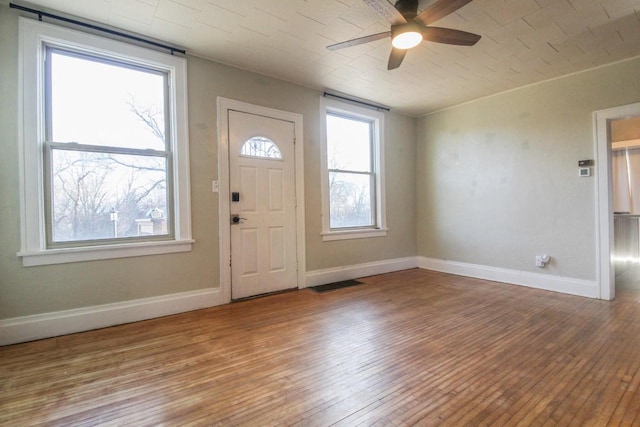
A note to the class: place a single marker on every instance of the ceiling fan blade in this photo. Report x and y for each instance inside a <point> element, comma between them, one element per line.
<point>387,11</point>
<point>439,10</point>
<point>396,57</point>
<point>359,40</point>
<point>449,36</point>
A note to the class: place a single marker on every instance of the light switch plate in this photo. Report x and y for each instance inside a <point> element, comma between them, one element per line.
<point>584,171</point>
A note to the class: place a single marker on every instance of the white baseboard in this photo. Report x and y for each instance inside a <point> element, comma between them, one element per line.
<point>567,285</point>
<point>338,274</point>
<point>38,326</point>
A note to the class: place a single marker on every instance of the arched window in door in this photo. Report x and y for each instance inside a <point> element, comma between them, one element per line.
<point>262,147</point>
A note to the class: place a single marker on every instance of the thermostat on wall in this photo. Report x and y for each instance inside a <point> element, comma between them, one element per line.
<point>584,171</point>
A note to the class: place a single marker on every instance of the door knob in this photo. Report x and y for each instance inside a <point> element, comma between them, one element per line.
<point>235,219</point>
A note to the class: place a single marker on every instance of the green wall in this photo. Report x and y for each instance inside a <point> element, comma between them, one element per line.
<point>497,178</point>
<point>33,290</point>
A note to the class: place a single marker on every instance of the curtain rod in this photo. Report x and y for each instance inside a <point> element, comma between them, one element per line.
<point>42,13</point>
<point>344,98</point>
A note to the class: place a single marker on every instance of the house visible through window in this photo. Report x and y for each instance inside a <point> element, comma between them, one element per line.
<point>104,148</point>
<point>354,195</point>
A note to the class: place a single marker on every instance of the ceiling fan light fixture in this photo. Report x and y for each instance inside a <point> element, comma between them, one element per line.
<point>406,36</point>
<point>406,40</point>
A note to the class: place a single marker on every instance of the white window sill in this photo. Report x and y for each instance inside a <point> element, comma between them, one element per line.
<point>353,234</point>
<point>93,253</point>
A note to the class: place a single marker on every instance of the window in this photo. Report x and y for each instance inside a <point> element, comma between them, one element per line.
<point>261,147</point>
<point>353,185</point>
<point>106,149</point>
<point>105,167</point>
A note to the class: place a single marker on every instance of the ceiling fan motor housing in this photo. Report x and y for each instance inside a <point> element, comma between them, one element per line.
<point>408,8</point>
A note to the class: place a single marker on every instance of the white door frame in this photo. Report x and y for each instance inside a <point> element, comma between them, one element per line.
<point>224,223</point>
<point>604,195</point>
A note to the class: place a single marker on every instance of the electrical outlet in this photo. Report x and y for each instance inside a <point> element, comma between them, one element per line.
<point>215,186</point>
<point>541,260</point>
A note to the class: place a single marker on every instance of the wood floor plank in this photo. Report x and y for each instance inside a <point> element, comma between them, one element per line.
<point>475,381</point>
<point>409,348</point>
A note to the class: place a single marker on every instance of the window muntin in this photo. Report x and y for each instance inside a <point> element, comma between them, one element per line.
<point>352,194</point>
<point>261,147</point>
<point>106,150</point>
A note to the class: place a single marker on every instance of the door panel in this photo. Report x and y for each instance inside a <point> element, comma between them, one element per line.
<point>249,187</point>
<point>248,251</point>
<point>277,249</point>
<point>276,190</point>
<point>263,242</point>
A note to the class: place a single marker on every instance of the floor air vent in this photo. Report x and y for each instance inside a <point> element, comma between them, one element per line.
<point>337,285</point>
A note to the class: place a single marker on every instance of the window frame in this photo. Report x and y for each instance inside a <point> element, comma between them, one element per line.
<point>35,248</point>
<point>376,119</point>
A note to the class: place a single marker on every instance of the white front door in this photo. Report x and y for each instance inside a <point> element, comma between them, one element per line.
<point>263,203</point>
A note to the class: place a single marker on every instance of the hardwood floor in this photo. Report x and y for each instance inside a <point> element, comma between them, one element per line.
<point>414,347</point>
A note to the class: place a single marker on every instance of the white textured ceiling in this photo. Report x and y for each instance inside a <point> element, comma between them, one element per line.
<point>523,41</point>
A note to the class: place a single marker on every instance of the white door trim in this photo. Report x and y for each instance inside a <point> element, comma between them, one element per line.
<point>224,228</point>
<point>604,195</point>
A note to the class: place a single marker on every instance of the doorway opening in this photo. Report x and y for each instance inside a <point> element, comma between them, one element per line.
<point>617,198</point>
<point>625,178</point>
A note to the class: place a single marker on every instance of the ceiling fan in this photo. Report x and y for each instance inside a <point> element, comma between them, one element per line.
<point>408,28</point>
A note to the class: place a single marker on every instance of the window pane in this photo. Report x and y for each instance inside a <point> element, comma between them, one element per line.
<point>105,196</point>
<point>106,104</point>
<point>350,200</point>
<point>262,147</point>
<point>348,144</point>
